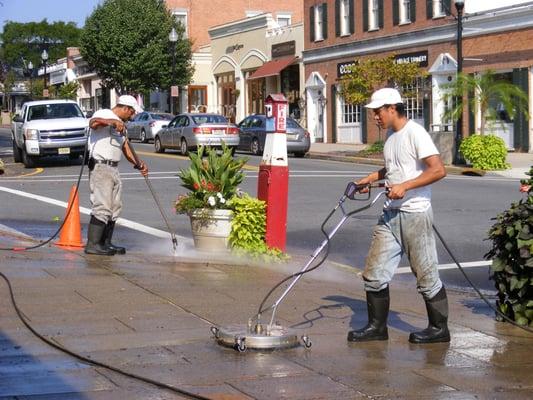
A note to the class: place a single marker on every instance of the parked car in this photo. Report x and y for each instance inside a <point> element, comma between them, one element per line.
<point>188,131</point>
<point>253,136</point>
<point>145,125</point>
<point>48,127</point>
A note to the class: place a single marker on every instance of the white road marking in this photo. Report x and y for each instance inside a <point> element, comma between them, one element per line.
<point>121,221</point>
<point>472,264</point>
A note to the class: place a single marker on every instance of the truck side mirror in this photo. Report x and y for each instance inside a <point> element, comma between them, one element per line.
<point>17,118</point>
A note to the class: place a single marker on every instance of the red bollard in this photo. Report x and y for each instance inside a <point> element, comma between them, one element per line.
<point>273,183</point>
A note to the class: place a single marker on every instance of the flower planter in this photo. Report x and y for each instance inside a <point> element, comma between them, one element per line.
<point>211,229</point>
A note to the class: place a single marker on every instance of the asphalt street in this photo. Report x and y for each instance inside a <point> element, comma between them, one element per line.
<point>463,206</point>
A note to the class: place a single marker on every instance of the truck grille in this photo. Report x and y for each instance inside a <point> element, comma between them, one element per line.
<point>62,134</point>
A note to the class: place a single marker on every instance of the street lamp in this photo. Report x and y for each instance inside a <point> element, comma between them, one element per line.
<point>30,72</point>
<point>459,6</point>
<point>44,58</point>
<point>173,38</point>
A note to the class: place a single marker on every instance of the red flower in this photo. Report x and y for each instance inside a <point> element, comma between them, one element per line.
<point>210,187</point>
<point>196,186</point>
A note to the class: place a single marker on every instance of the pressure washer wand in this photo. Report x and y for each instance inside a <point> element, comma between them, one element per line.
<point>154,195</point>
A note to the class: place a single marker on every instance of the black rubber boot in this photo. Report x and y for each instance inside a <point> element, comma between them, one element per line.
<point>108,235</point>
<point>437,330</point>
<point>378,310</point>
<point>94,238</point>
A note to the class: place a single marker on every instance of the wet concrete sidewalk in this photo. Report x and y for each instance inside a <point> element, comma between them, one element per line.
<point>151,315</point>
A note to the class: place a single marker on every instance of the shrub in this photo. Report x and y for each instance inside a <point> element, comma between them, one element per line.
<point>374,148</point>
<point>486,152</point>
<point>512,261</point>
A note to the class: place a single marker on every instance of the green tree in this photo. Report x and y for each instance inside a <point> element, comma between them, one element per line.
<point>126,43</point>
<point>68,91</point>
<point>484,90</point>
<point>368,75</point>
<point>24,42</point>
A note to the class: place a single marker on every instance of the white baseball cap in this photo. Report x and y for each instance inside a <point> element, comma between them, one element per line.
<point>127,100</point>
<point>385,96</point>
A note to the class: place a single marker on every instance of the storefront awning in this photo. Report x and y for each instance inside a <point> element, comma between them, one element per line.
<point>272,68</point>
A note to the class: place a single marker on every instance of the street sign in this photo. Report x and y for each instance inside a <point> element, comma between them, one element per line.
<point>174,91</point>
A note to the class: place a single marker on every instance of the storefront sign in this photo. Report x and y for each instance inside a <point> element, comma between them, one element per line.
<point>284,49</point>
<point>344,68</point>
<point>419,57</point>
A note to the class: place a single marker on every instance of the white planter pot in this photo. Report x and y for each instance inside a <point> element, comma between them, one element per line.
<point>211,233</point>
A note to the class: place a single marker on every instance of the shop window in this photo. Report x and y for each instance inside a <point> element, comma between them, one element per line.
<point>256,96</point>
<point>181,18</point>
<point>319,22</point>
<point>197,99</point>
<point>344,17</point>
<point>414,98</point>
<point>349,113</point>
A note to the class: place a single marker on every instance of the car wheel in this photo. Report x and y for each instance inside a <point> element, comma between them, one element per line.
<point>143,136</point>
<point>300,154</point>
<point>27,160</point>
<point>184,147</point>
<point>158,146</point>
<point>17,156</point>
<point>255,148</point>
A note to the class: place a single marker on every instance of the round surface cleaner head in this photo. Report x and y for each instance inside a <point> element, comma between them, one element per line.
<point>258,337</point>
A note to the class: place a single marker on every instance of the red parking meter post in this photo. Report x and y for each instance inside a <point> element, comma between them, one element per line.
<point>273,183</point>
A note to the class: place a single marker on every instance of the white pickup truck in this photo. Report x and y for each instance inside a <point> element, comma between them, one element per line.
<point>46,128</point>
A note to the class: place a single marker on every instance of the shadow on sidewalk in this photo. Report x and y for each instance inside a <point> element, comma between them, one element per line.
<point>358,318</point>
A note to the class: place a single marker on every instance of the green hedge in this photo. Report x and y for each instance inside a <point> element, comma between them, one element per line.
<point>486,152</point>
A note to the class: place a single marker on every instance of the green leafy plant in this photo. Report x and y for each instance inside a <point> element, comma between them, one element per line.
<point>486,152</point>
<point>511,255</point>
<point>212,180</point>
<point>248,228</point>
<point>374,148</point>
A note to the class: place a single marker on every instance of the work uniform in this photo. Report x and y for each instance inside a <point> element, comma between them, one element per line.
<point>105,147</point>
<point>406,224</point>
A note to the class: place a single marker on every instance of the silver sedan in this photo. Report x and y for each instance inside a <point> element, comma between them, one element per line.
<point>145,125</point>
<point>188,131</point>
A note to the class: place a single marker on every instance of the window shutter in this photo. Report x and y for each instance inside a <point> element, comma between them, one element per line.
<point>447,5</point>
<point>337,18</point>
<point>429,9</point>
<point>312,23</point>
<point>325,21</point>
<point>380,14</point>
<point>412,5</point>
<point>395,12</point>
<point>365,15</point>
<point>352,17</point>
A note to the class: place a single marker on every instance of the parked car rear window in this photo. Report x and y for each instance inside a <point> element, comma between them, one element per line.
<point>53,111</point>
<point>162,117</point>
<point>292,123</point>
<point>209,119</point>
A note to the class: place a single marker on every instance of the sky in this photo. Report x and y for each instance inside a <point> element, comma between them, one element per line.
<point>53,10</point>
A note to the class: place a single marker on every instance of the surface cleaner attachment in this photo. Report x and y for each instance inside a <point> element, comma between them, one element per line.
<point>272,336</point>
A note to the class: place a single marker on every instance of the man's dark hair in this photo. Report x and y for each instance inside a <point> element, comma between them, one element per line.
<point>400,108</point>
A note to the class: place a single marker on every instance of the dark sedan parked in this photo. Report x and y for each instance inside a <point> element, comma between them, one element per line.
<point>253,135</point>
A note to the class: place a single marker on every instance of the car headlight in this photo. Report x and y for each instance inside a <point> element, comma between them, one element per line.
<point>31,134</point>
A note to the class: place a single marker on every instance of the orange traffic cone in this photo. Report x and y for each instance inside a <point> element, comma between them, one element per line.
<point>71,232</point>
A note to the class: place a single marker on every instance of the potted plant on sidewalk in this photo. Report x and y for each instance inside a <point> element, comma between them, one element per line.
<point>212,180</point>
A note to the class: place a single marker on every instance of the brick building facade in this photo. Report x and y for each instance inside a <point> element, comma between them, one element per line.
<point>338,32</point>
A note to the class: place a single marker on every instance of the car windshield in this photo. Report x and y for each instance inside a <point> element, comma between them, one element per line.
<point>162,117</point>
<point>209,119</point>
<point>54,111</point>
<point>292,123</point>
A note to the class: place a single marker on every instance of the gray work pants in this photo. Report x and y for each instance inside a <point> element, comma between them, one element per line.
<point>106,192</point>
<point>396,233</point>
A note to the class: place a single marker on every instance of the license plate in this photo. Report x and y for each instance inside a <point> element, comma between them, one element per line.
<point>292,137</point>
<point>63,150</point>
<point>218,131</point>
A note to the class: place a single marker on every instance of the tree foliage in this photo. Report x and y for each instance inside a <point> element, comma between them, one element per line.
<point>484,90</point>
<point>126,43</point>
<point>371,74</point>
<point>24,42</point>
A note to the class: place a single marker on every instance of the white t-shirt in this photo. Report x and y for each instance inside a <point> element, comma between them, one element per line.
<point>403,152</point>
<point>106,143</point>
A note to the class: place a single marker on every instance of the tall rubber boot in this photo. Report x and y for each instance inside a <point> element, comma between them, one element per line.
<point>108,235</point>
<point>94,238</point>
<point>437,330</point>
<point>377,304</point>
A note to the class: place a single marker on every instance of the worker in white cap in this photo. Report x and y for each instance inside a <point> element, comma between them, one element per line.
<point>412,164</point>
<point>107,143</point>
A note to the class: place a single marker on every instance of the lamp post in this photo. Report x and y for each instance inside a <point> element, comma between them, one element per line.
<point>30,72</point>
<point>173,38</point>
<point>44,58</point>
<point>459,6</point>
